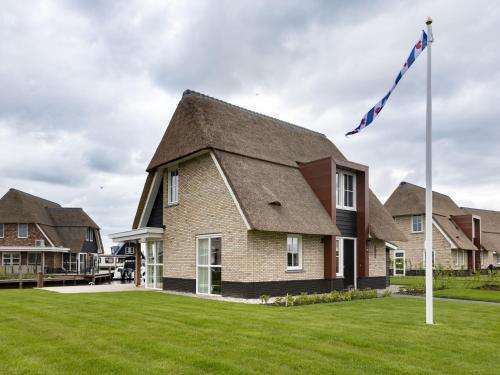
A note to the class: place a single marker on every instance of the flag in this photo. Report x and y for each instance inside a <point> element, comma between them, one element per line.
<point>372,113</point>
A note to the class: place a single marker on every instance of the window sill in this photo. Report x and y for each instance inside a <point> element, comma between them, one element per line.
<point>294,270</point>
<point>346,208</point>
<point>172,204</point>
<point>417,232</point>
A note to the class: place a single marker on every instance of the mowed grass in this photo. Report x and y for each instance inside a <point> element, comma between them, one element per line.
<point>156,333</point>
<point>456,287</point>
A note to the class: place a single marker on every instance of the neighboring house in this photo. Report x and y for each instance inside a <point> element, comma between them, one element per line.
<point>458,241</point>
<point>241,204</point>
<point>37,234</point>
<point>490,231</point>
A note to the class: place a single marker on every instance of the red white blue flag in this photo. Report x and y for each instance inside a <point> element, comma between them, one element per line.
<point>372,113</point>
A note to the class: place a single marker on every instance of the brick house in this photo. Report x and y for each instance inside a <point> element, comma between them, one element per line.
<point>37,234</point>
<point>241,204</point>
<point>459,238</point>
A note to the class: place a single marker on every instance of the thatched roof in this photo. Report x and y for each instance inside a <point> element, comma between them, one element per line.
<point>490,225</point>
<point>260,156</point>
<point>381,222</point>
<point>456,235</point>
<point>409,199</point>
<point>260,185</point>
<point>202,122</point>
<point>65,227</point>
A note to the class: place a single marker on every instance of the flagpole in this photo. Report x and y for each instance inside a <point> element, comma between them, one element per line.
<point>429,313</point>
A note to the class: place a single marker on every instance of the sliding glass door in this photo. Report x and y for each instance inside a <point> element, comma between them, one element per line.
<point>208,264</point>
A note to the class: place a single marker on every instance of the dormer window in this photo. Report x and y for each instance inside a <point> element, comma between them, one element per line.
<point>346,190</point>
<point>22,230</point>
<point>89,235</point>
<point>173,186</point>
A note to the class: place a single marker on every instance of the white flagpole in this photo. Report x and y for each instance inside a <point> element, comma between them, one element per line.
<point>429,314</point>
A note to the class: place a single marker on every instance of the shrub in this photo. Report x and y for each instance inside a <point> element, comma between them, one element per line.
<point>387,293</point>
<point>289,300</point>
<point>369,294</point>
<point>278,301</point>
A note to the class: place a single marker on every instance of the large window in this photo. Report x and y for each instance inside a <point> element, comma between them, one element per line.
<point>154,264</point>
<point>34,259</point>
<point>417,224</point>
<point>11,259</point>
<point>22,230</point>
<point>173,186</point>
<point>89,235</point>
<point>346,190</point>
<point>399,263</point>
<point>294,252</point>
<point>1,230</point>
<point>70,262</point>
<point>209,264</point>
<point>339,255</point>
<point>460,258</point>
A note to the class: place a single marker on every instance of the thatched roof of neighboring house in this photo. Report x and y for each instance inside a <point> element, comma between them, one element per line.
<point>260,156</point>
<point>490,226</point>
<point>409,199</point>
<point>65,227</point>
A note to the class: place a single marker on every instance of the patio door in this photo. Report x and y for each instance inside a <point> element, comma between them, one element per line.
<point>208,264</point>
<point>154,265</point>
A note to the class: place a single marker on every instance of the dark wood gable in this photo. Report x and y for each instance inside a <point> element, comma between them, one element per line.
<point>156,216</point>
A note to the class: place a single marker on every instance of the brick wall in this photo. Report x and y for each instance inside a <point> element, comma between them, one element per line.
<point>268,256</point>
<point>205,207</point>
<point>414,248</point>
<point>10,236</point>
<point>377,258</point>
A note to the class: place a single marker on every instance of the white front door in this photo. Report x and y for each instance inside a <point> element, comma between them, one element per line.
<point>154,264</point>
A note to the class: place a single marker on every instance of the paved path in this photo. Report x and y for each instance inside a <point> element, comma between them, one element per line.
<point>94,288</point>
<point>449,299</point>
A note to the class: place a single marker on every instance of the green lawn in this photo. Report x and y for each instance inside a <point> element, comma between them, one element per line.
<point>456,287</point>
<point>155,333</point>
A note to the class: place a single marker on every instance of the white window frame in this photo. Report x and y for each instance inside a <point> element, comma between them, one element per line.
<point>404,263</point>
<point>2,232</point>
<point>421,224</point>
<point>129,250</point>
<point>209,237</point>
<point>173,188</point>
<point>340,190</point>
<point>18,230</point>
<point>10,256</point>
<point>339,247</point>
<point>299,242</point>
<point>457,260</point>
<point>89,234</point>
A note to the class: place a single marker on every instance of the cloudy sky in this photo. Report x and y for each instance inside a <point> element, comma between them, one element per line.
<point>87,88</point>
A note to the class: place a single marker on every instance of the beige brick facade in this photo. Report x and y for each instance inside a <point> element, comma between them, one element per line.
<point>377,258</point>
<point>414,248</point>
<point>205,207</point>
<point>267,253</point>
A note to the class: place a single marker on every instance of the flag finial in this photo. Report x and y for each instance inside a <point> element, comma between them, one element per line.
<point>429,21</point>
